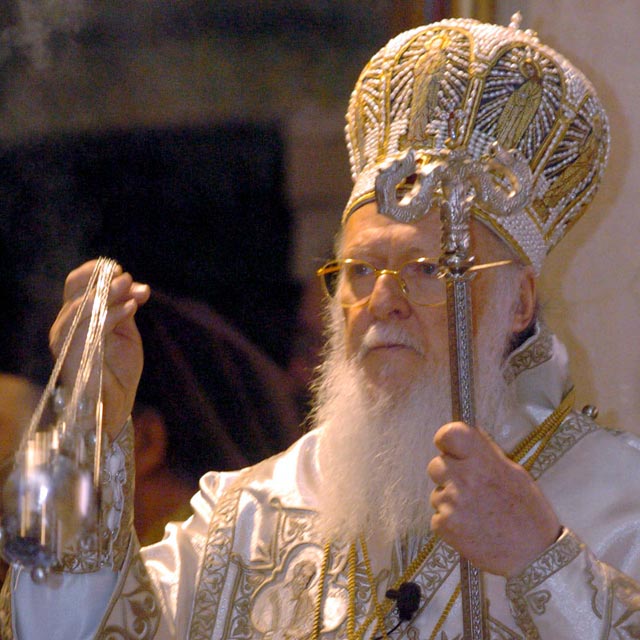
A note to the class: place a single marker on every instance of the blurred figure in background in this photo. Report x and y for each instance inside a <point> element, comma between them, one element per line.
<point>307,343</point>
<point>18,399</point>
<point>208,399</point>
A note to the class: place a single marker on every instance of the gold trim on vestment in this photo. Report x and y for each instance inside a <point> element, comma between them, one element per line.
<point>532,444</point>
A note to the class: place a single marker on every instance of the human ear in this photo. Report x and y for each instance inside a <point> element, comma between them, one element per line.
<point>150,448</point>
<point>527,301</point>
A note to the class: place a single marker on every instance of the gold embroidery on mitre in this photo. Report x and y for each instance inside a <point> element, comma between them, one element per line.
<point>521,106</point>
<point>429,76</point>
<point>434,73</point>
<point>509,89</point>
<point>521,71</point>
<point>573,170</point>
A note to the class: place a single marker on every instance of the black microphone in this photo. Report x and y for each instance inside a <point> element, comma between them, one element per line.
<point>407,597</point>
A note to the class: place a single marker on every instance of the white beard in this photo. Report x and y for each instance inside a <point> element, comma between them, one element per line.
<point>375,446</point>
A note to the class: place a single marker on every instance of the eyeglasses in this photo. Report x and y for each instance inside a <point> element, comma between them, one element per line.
<point>352,281</point>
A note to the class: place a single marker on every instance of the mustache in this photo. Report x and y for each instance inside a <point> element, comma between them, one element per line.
<point>388,335</point>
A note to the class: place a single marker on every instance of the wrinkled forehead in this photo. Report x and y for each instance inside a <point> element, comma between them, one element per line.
<point>367,230</point>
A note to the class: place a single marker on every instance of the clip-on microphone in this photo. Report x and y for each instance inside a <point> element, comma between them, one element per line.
<point>407,598</point>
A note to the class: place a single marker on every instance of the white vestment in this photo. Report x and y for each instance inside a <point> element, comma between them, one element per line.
<point>250,564</point>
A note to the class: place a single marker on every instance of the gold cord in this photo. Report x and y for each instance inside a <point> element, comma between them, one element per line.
<point>317,614</point>
<point>351,585</point>
<point>410,570</point>
<point>380,626</point>
<point>540,436</point>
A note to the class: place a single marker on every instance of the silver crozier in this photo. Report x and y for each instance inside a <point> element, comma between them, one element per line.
<point>498,183</point>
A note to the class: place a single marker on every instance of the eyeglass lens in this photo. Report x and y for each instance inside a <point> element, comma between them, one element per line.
<point>417,279</point>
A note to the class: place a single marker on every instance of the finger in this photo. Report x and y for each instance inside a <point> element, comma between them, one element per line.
<point>118,295</point>
<point>445,492</point>
<point>120,289</point>
<point>124,299</point>
<point>437,470</point>
<point>123,288</point>
<point>437,496</point>
<point>434,499</point>
<point>60,328</point>
<point>439,523</point>
<point>117,315</point>
<point>78,279</point>
<point>443,514</point>
<point>120,314</point>
<point>140,293</point>
<point>456,439</point>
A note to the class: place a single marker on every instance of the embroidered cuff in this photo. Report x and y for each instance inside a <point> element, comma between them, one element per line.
<point>108,547</point>
<point>134,610</point>
<point>521,589</point>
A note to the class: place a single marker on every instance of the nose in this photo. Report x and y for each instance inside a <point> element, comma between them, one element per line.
<point>387,300</point>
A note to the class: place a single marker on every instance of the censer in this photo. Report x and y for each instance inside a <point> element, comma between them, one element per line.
<point>51,499</point>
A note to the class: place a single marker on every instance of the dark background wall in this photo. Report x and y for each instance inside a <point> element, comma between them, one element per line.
<point>198,142</point>
<point>192,211</point>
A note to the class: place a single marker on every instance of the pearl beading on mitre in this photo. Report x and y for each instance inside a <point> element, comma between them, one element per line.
<point>478,70</point>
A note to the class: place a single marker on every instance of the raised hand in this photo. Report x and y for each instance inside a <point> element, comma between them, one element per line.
<point>123,355</point>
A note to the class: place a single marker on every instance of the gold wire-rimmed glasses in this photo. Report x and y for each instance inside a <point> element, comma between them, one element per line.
<point>351,281</point>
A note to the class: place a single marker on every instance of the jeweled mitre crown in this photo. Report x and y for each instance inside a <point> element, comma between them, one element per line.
<point>499,84</point>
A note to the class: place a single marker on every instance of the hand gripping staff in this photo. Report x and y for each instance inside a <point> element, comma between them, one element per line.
<point>498,182</point>
<point>51,500</point>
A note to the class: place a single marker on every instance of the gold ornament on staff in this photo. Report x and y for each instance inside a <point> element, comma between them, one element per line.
<point>498,182</point>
